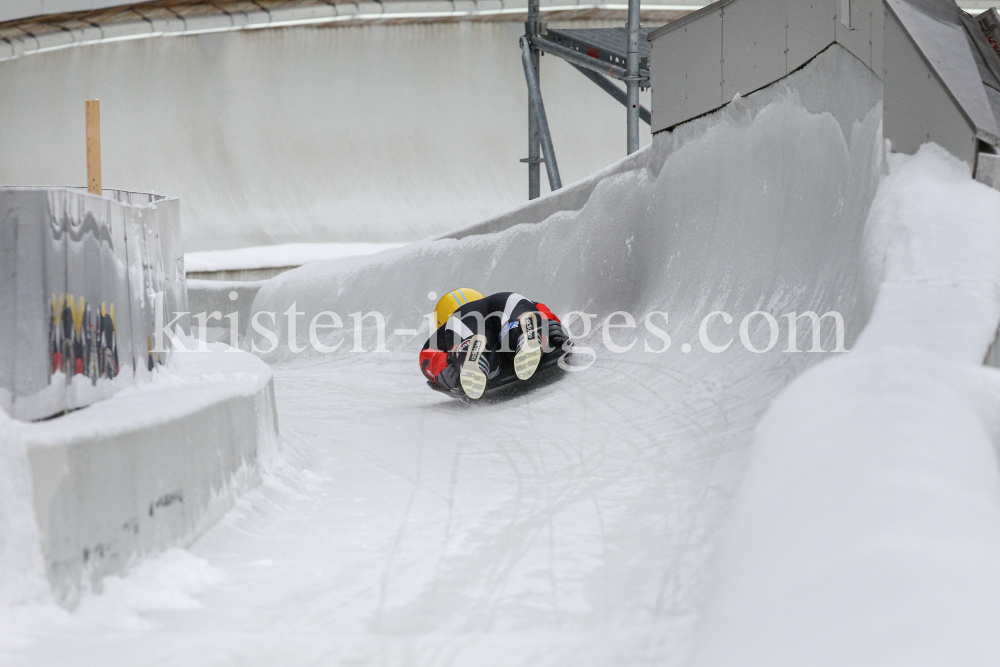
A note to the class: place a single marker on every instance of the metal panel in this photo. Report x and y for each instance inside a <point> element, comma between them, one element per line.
<point>145,280</point>
<point>917,108</point>
<point>40,271</point>
<point>858,38</point>
<point>686,71</point>
<point>68,280</point>
<point>168,215</point>
<point>811,28</point>
<point>753,45</point>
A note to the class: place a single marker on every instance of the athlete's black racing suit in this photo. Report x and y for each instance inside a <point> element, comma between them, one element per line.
<point>496,317</point>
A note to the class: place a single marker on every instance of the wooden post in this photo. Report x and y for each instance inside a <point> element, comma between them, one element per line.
<point>94,147</point>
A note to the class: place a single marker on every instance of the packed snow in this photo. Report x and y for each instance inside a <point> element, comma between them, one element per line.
<point>667,496</point>
<point>867,529</point>
<point>277,256</point>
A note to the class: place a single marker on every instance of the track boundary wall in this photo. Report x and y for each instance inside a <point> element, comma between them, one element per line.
<point>141,472</point>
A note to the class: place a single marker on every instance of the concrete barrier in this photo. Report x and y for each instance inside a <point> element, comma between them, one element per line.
<point>151,467</point>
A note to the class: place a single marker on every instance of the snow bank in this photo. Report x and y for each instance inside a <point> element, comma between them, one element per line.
<point>867,531</point>
<point>277,256</point>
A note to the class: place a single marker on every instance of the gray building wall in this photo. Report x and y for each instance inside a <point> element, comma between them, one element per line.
<point>916,107</point>
<point>703,60</point>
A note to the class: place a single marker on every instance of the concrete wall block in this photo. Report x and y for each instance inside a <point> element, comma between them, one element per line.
<point>917,108</point>
<point>686,68</point>
<point>811,28</point>
<point>753,45</point>
<point>103,499</point>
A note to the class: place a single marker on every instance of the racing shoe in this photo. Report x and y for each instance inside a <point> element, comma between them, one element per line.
<point>529,347</point>
<point>473,378</point>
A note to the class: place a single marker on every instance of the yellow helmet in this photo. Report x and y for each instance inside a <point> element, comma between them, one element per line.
<point>451,301</point>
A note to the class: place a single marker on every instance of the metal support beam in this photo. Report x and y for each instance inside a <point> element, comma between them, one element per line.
<point>576,58</point>
<point>538,113</point>
<point>632,79</point>
<point>532,27</point>
<point>614,91</point>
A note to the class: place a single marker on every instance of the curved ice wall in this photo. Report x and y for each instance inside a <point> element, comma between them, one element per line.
<point>760,206</point>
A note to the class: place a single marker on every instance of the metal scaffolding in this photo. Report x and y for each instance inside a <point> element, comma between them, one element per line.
<point>600,54</point>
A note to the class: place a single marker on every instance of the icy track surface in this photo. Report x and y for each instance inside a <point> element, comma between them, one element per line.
<point>575,525</point>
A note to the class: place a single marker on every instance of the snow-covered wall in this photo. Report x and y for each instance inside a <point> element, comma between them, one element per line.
<point>867,530</point>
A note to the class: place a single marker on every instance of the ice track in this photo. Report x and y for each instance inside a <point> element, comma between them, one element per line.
<point>569,526</point>
<point>528,532</point>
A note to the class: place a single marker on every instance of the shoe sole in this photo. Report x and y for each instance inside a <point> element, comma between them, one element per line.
<point>472,378</point>
<point>527,358</point>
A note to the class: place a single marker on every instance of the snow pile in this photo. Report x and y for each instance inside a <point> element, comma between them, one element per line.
<point>867,531</point>
<point>277,256</point>
<point>168,581</point>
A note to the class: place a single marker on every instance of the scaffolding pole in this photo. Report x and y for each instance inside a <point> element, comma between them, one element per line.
<point>632,79</point>
<point>531,28</point>
<point>614,91</point>
<point>540,125</point>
